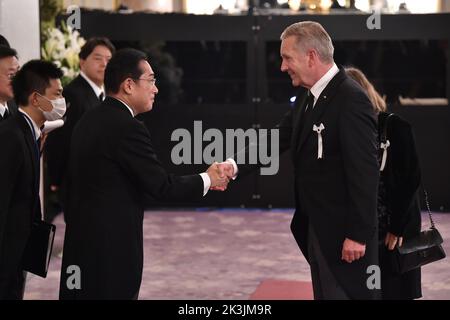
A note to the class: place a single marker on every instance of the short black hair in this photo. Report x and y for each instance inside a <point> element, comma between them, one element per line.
<point>4,42</point>
<point>6,52</point>
<point>35,75</point>
<point>123,64</point>
<point>90,45</point>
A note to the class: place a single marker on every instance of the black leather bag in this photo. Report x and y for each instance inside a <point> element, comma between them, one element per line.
<point>39,247</point>
<point>420,250</point>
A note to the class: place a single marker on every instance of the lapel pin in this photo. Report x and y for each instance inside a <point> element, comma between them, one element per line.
<point>384,146</point>
<point>319,130</point>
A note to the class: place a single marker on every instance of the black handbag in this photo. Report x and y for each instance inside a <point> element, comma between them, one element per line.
<point>423,249</point>
<point>39,247</point>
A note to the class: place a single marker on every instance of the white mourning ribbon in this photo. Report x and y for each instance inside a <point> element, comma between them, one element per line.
<point>384,146</point>
<point>319,129</point>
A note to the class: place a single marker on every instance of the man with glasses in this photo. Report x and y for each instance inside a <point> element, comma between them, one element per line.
<point>8,68</point>
<point>113,171</point>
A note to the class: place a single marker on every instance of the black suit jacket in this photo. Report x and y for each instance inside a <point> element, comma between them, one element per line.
<point>337,195</point>
<point>402,177</point>
<point>80,97</point>
<point>12,108</point>
<point>112,168</point>
<point>19,194</point>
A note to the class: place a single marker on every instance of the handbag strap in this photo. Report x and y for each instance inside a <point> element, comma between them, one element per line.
<point>428,208</point>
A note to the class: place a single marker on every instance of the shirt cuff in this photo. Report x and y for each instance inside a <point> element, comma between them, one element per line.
<point>235,168</point>
<point>206,182</point>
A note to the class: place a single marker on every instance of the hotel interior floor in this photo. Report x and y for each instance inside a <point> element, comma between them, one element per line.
<point>227,254</point>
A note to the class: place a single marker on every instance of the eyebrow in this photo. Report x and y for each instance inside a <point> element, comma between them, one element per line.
<point>101,55</point>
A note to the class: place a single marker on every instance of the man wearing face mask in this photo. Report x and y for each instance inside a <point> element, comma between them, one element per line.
<point>38,93</point>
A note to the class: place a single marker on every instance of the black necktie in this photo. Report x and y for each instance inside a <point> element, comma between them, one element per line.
<point>101,96</point>
<point>307,110</point>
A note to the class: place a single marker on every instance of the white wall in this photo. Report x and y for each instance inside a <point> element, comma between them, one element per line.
<point>19,23</point>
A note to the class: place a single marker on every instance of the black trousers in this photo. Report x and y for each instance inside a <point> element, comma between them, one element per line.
<point>325,286</point>
<point>14,286</point>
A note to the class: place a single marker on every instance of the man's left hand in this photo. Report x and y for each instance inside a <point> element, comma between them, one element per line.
<point>352,250</point>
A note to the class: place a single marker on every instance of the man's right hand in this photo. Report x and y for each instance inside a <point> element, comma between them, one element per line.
<point>352,250</point>
<point>54,188</point>
<point>228,170</point>
<point>219,179</point>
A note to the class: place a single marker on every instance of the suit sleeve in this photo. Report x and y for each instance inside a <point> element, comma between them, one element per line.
<point>58,142</point>
<point>407,177</point>
<point>284,128</point>
<point>136,156</point>
<point>11,159</point>
<point>358,138</point>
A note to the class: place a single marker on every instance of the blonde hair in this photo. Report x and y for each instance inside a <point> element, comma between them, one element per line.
<point>378,103</point>
<point>311,35</point>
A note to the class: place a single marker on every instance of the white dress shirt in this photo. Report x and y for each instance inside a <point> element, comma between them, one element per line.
<point>205,177</point>
<point>316,90</point>
<point>320,85</point>
<point>96,88</point>
<point>3,108</point>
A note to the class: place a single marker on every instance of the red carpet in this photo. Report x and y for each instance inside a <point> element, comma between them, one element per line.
<point>272,289</point>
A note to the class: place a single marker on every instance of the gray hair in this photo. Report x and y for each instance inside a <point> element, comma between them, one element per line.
<point>311,35</point>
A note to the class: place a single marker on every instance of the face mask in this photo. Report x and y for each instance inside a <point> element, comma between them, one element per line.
<point>58,111</point>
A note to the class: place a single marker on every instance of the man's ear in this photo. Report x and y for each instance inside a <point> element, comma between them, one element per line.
<point>82,62</point>
<point>37,101</point>
<point>33,99</point>
<point>127,86</point>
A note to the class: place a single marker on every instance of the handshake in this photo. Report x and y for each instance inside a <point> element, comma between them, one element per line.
<point>220,175</point>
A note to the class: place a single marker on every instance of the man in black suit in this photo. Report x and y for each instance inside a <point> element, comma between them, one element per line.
<point>113,168</point>
<point>8,68</point>
<point>36,87</point>
<point>335,220</point>
<point>84,93</point>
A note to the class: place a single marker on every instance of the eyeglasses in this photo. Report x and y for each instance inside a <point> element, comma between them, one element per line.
<point>151,81</point>
<point>9,76</point>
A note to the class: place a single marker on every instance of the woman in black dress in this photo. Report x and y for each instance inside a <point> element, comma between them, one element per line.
<point>398,198</point>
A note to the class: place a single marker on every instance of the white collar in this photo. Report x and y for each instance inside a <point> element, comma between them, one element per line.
<point>321,84</point>
<point>94,87</point>
<point>35,128</point>
<point>128,107</point>
<point>3,108</point>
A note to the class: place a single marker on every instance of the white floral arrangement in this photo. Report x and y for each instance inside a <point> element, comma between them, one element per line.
<point>62,46</point>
